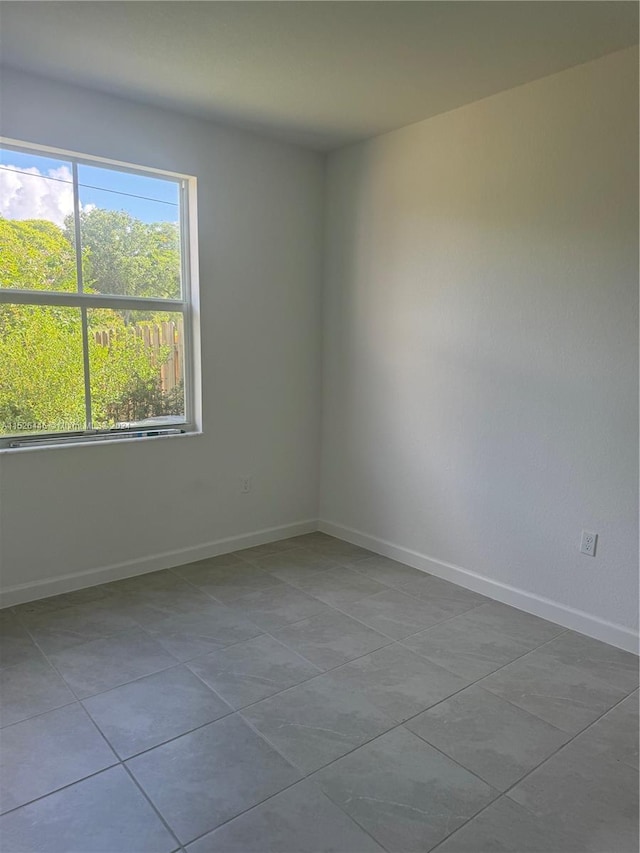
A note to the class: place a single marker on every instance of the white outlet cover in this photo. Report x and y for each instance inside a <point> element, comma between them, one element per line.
<point>588,543</point>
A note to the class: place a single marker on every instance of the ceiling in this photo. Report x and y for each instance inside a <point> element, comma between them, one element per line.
<point>320,74</point>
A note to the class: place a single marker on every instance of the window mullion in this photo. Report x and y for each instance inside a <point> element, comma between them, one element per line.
<point>76,223</point>
<point>71,299</point>
<point>83,310</point>
<point>85,358</point>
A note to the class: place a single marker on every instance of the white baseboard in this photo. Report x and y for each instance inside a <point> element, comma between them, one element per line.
<point>21,593</point>
<point>569,617</point>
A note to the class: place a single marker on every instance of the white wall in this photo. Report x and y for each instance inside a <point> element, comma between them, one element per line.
<point>480,344</point>
<point>71,510</point>
<point>480,351</point>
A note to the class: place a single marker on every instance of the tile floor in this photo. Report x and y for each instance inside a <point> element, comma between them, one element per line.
<point>309,696</point>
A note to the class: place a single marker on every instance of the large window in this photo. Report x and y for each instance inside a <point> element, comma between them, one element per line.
<point>95,299</point>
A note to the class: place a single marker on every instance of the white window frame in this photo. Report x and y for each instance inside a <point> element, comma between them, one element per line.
<point>187,305</point>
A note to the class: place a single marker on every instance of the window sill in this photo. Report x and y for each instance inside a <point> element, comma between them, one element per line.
<point>92,442</point>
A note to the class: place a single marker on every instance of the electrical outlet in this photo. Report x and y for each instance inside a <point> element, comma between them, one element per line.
<point>588,543</point>
<point>245,485</point>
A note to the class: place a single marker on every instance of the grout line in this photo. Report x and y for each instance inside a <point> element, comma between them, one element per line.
<point>268,633</point>
<point>505,793</point>
<point>235,602</point>
<point>265,632</point>
<point>61,788</point>
<point>565,745</point>
<point>134,780</point>
<point>467,769</point>
<point>116,762</point>
<point>231,605</point>
<point>477,683</point>
<point>413,633</point>
<point>152,804</point>
<point>73,701</point>
<point>304,777</point>
<point>232,711</point>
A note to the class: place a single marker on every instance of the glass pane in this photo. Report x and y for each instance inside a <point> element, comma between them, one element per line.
<point>141,186</point>
<point>136,367</point>
<point>130,228</point>
<point>41,370</point>
<point>36,223</point>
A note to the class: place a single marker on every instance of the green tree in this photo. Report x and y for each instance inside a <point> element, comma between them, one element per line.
<point>41,360</point>
<point>35,255</point>
<point>41,369</point>
<point>122,255</point>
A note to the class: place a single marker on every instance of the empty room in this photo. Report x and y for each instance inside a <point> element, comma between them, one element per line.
<point>319,426</point>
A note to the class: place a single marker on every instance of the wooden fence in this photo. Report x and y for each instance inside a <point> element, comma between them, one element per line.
<point>167,336</point>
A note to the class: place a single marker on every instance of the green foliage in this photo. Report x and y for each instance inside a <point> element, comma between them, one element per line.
<point>124,256</point>
<point>125,379</point>
<point>41,367</point>
<point>41,360</point>
<point>35,255</point>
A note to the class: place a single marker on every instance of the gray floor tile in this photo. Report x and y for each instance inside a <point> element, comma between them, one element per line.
<point>42,605</point>
<point>268,548</point>
<point>466,648</point>
<point>250,671</point>
<point>233,558</point>
<point>326,693</point>
<point>102,664</point>
<point>593,798</point>
<point>177,598</point>
<point>398,682</point>
<point>157,595</point>
<point>72,626</point>
<point>163,579</point>
<point>397,614</point>
<point>403,792</point>
<point>299,820</point>
<point>515,623</point>
<point>339,586</point>
<point>491,737</point>
<point>567,696</point>
<point>281,605</point>
<point>88,595</point>
<point>386,571</point>
<point>451,597</point>
<point>344,552</point>
<point>30,688</point>
<point>614,666</point>
<point>615,735</point>
<point>295,564</point>
<point>104,814</point>
<point>204,778</point>
<point>190,635</point>
<point>506,827</point>
<point>45,753</point>
<point>16,646</point>
<point>228,583</point>
<point>331,639</point>
<point>147,712</point>
<point>317,722</point>
<point>310,540</point>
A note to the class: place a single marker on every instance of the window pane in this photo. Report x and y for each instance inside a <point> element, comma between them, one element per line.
<point>141,186</point>
<point>41,370</point>
<point>36,223</point>
<point>130,229</point>
<point>136,368</point>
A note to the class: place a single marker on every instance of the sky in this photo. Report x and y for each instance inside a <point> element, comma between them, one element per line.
<point>35,187</point>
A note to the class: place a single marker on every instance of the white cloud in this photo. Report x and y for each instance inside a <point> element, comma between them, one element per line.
<point>27,194</point>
